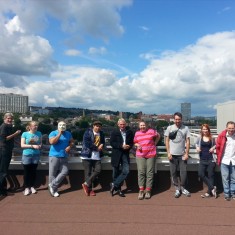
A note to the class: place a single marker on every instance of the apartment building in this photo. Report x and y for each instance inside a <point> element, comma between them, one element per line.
<point>14,103</point>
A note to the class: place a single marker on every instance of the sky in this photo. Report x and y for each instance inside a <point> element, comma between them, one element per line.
<point>119,55</point>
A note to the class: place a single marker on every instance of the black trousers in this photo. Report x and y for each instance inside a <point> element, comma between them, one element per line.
<point>30,175</point>
<point>207,166</point>
<point>92,169</point>
<point>5,159</point>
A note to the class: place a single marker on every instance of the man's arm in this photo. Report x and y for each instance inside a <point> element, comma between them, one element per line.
<point>187,148</point>
<point>167,143</point>
<point>54,139</point>
<point>71,143</point>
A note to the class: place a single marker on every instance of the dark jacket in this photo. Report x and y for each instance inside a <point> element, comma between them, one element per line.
<point>116,141</point>
<point>6,130</point>
<point>88,143</point>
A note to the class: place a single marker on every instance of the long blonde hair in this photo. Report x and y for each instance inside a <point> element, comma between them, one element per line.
<point>30,124</point>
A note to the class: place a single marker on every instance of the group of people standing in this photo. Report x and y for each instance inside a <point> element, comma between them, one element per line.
<point>122,140</point>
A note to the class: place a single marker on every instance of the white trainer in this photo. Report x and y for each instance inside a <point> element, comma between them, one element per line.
<point>56,194</point>
<point>51,190</point>
<point>33,190</point>
<point>27,191</point>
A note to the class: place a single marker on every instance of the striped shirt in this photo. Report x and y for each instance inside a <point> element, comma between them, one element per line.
<point>146,139</point>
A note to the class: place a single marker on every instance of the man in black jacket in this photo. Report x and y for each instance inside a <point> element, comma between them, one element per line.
<point>121,141</point>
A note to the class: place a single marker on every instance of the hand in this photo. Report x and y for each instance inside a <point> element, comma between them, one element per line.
<point>198,149</point>
<point>211,150</point>
<point>126,146</point>
<point>67,150</point>
<point>100,147</point>
<point>169,156</point>
<point>36,146</point>
<point>17,132</point>
<point>185,157</point>
<point>139,147</point>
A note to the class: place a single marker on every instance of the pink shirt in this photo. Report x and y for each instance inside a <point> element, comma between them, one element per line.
<point>146,140</point>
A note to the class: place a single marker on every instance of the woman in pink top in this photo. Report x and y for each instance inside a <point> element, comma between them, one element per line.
<point>145,142</point>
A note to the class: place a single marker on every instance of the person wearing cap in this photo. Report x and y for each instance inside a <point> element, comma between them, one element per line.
<point>92,151</point>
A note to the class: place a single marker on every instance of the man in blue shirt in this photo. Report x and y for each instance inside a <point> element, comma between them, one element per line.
<point>61,142</point>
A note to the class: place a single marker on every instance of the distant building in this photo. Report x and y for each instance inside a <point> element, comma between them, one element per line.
<point>225,113</point>
<point>122,115</point>
<point>38,110</point>
<point>146,118</point>
<point>165,117</point>
<point>25,120</point>
<point>186,111</point>
<point>14,103</point>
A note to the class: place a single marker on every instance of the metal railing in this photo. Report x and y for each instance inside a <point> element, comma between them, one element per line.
<point>75,162</point>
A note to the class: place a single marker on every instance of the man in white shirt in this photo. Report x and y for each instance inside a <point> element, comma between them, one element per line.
<point>225,149</point>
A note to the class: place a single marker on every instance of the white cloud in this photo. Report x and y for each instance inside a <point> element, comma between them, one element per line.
<point>224,10</point>
<point>23,53</point>
<point>72,52</point>
<point>14,25</point>
<point>100,19</point>
<point>144,28</point>
<point>97,51</point>
<point>202,74</point>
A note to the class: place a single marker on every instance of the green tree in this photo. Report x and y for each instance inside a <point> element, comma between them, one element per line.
<point>45,128</point>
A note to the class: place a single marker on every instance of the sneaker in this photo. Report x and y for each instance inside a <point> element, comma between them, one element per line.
<point>85,189</point>
<point>147,195</point>
<point>214,192</point>
<point>56,194</point>
<point>33,190</point>
<point>186,193</point>
<point>51,190</point>
<point>227,198</point>
<point>27,192</point>
<point>177,193</point>
<point>92,193</point>
<point>206,195</point>
<point>141,195</point>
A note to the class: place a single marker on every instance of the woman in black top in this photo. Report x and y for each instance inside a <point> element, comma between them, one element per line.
<point>6,146</point>
<point>205,146</point>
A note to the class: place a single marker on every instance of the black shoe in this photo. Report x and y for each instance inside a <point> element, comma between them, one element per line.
<point>121,194</point>
<point>112,189</point>
<point>3,193</point>
<point>227,198</point>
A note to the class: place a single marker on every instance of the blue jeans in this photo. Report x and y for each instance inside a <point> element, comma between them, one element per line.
<point>120,175</point>
<point>30,159</point>
<point>228,179</point>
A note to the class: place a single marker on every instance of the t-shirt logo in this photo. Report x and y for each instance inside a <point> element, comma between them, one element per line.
<point>97,140</point>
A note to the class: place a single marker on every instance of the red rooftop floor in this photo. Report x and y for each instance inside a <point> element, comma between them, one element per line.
<point>75,213</point>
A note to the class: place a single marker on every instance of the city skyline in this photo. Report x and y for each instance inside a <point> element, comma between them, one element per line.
<point>128,55</point>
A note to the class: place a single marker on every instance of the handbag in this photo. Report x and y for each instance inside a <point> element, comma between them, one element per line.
<point>172,134</point>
